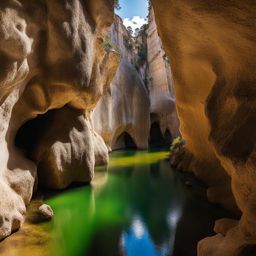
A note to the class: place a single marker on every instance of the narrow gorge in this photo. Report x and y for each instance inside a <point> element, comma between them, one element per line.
<point>123,141</point>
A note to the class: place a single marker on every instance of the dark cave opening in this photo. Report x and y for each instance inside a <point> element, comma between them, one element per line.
<point>31,134</point>
<point>249,250</point>
<point>125,140</point>
<point>156,138</point>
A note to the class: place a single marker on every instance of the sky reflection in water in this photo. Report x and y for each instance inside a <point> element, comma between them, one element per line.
<point>140,207</point>
<point>137,241</point>
<point>134,186</point>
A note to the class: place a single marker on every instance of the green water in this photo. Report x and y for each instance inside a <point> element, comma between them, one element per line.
<point>140,207</point>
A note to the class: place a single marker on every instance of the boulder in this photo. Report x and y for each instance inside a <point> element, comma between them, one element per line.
<point>53,63</point>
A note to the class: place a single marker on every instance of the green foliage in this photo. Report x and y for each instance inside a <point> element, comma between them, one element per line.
<point>129,30</point>
<point>127,42</point>
<point>176,146</point>
<point>137,30</point>
<point>117,5</point>
<point>109,45</point>
<point>149,5</point>
<point>147,81</point>
<point>142,54</point>
<point>141,31</point>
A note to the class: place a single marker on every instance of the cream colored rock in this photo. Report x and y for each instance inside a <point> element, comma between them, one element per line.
<point>124,108</point>
<point>15,46</point>
<point>17,174</point>
<point>45,211</point>
<point>65,147</point>
<point>160,83</point>
<point>52,57</point>
<point>211,46</point>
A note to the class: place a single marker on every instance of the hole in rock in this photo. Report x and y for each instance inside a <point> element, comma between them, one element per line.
<point>157,138</point>
<point>29,133</point>
<point>53,125</point>
<point>125,141</point>
<point>249,250</point>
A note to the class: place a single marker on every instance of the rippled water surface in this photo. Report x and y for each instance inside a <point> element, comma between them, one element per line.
<point>140,207</point>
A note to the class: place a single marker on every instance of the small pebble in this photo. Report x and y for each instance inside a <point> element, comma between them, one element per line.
<point>45,211</point>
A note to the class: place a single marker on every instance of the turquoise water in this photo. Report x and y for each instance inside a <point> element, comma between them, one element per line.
<point>140,207</point>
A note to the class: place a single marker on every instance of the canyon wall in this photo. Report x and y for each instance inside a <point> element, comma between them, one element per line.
<point>123,109</point>
<point>211,46</point>
<point>141,93</point>
<point>54,67</point>
<point>160,83</point>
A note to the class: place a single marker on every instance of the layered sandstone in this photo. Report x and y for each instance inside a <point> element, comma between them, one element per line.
<point>211,47</point>
<point>54,67</point>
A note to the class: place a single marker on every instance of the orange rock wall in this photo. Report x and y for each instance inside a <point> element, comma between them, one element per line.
<point>211,46</point>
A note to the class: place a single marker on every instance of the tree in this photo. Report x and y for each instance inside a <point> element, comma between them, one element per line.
<point>137,30</point>
<point>117,5</point>
<point>149,5</point>
<point>129,30</point>
<point>142,30</point>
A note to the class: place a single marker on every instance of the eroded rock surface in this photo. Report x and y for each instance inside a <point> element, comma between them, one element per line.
<point>124,109</point>
<point>45,212</point>
<point>53,57</point>
<point>211,47</point>
<point>141,93</point>
<point>160,84</point>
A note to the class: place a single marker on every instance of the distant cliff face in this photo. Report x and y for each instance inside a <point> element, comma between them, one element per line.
<point>123,111</point>
<point>211,46</point>
<point>160,83</point>
<point>54,67</point>
<point>141,93</point>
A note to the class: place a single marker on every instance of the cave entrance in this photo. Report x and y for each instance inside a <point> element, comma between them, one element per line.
<point>125,140</point>
<point>45,129</point>
<point>29,134</point>
<point>156,138</point>
<point>248,250</point>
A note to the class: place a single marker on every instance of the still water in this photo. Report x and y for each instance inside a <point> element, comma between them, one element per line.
<point>139,207</point>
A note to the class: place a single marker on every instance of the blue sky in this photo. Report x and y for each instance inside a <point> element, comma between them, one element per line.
<point>131,8</point>
<point>133,12</point>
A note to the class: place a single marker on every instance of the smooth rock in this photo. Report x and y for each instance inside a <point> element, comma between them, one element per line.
<point>45,212</point>
<point>211,47</point>
<point>52,58</point>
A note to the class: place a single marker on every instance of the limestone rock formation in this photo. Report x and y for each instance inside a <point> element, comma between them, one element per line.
<point>53,57</point>
<point>133,101</point>
<point>211,47</point>
<point>124,109</point>
<point>160,83</point>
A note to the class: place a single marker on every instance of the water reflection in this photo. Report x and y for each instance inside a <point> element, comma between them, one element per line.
<point>140,207</point>
<point>158,201</point>
<point>137,241</point>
